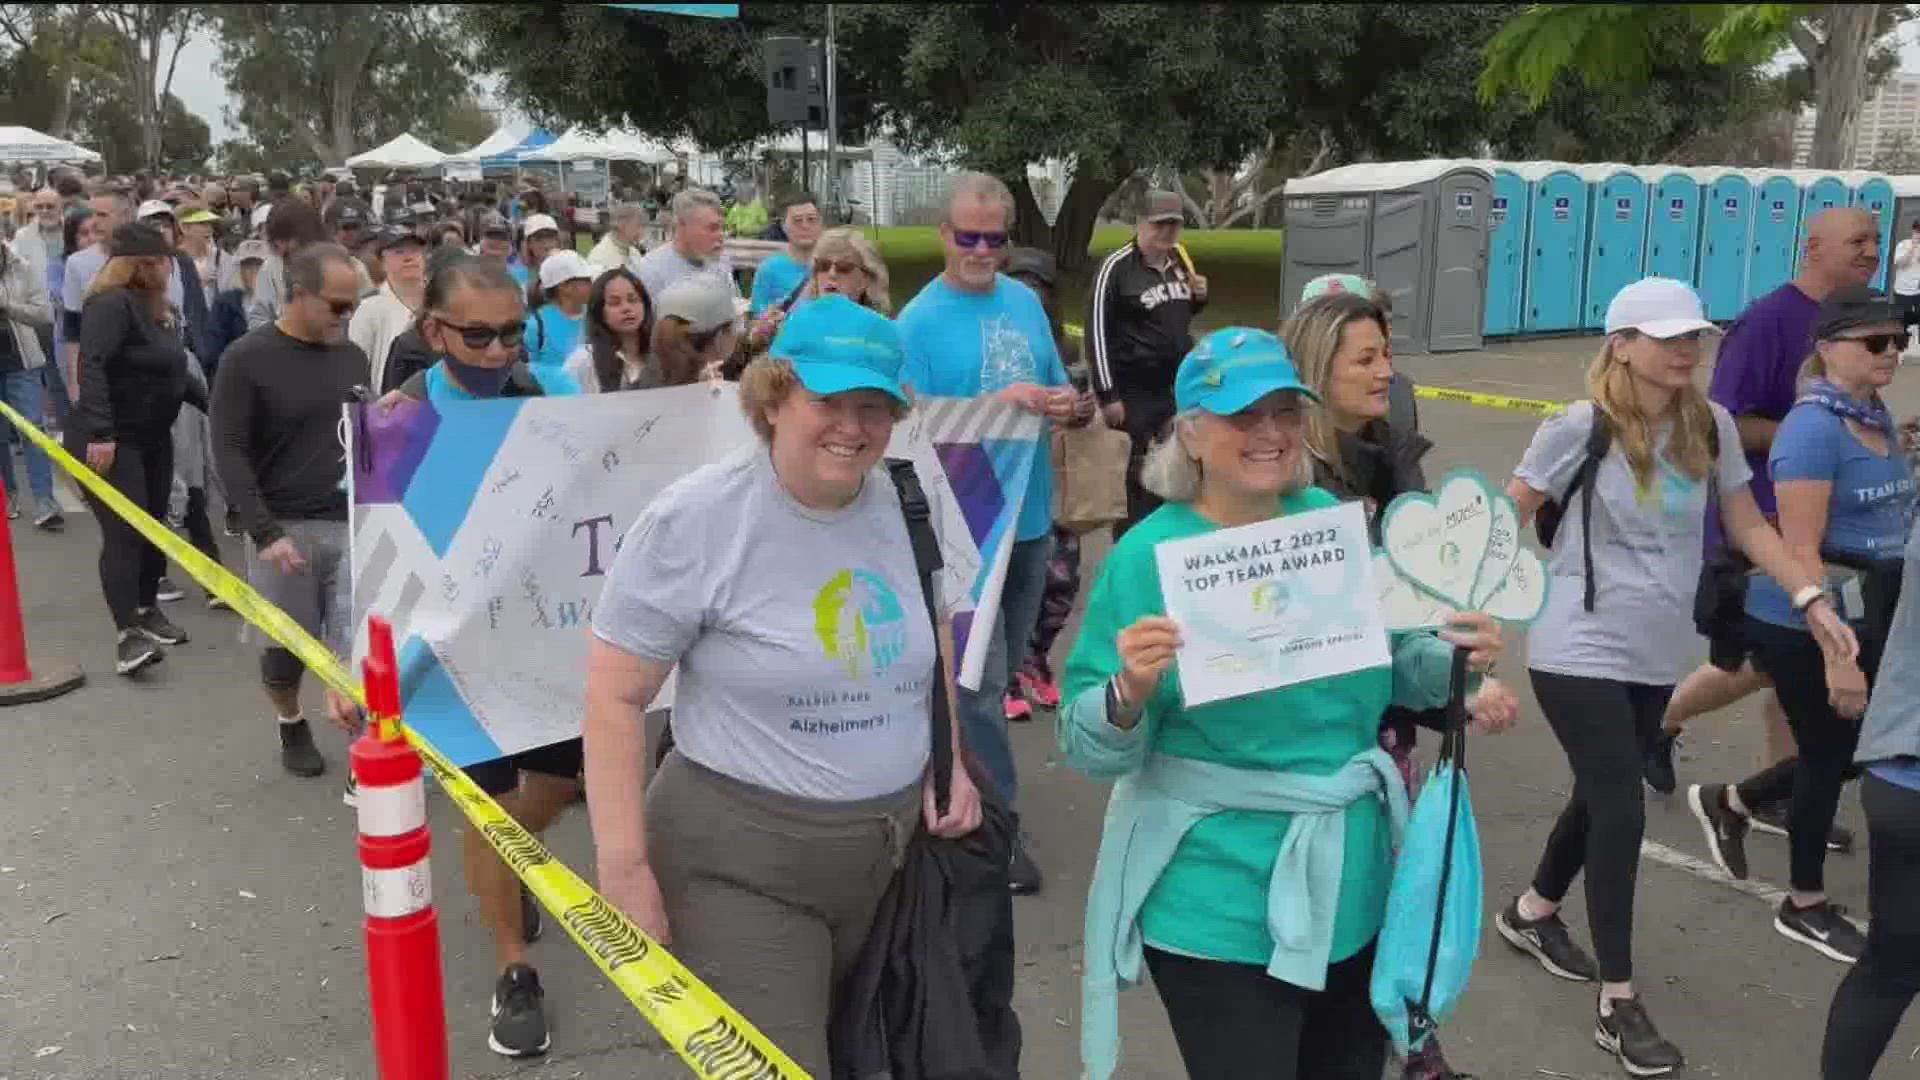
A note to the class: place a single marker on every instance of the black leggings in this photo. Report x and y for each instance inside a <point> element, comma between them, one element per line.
<point>1825,742</point>
<point>1875,994</point>
<point>199,525</point>
<point>1604,726</point>
<point>1235,1020</point>
<point>130,567</point>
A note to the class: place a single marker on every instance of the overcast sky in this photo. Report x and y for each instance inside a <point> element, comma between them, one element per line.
<point>200,88</point>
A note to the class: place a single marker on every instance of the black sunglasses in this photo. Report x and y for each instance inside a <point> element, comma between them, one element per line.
<point>968,240</point>
<point>479,337</point>
<point>1878,343</point>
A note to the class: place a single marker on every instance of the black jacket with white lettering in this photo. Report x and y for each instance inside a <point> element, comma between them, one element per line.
<point>1139,324</point>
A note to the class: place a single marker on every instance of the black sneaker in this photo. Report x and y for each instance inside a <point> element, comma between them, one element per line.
<point>298,755</point>
<point>156,628</point>
<point>169,591</point>
<point>136,652</point>
<point>1023,876</point>
<point>49,519</point>
<point>1659,763</point>
<point>519,1026</point>
<point>531,923</point>
<point>350,795</point>
<point>1726,831</point>
<point>1824,928</point>
<point>232,523</point>
<point>1772,820</point>
<point>1547,941</point>
<point>214,603</point>
<point>1628,1034</point>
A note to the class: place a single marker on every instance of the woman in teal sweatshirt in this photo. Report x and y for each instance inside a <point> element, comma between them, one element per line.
<point>1249,842</point>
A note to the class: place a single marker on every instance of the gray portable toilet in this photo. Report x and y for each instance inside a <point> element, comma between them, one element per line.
<point>1419,229</point>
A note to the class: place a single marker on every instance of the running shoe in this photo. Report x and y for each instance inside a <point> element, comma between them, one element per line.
<point>1040,689</point>
<point>1726,830</point>
<point>519,1026</point>
<point>156,628</point>
<point>1824,928</point>
<point>1628,1034</point>
<point>232,523</point>
<point>13,510</point>
<point>531,921</point>
<point>214,603</point>
<point>1017,708</point>
<point>350,795</point>
<point>135,652</point>
<point>1772,820</point>
<point>169,591</point>
<point>298,755</point>
<point>1659,764</point>
<point>1023,874</point>
<point>1547,941</point>
<point>48,517</point>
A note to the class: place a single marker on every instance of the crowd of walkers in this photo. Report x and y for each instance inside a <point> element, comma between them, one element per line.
<point>196,348</point>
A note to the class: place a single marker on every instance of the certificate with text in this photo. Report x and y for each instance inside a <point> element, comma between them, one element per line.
<point>1273,604</point>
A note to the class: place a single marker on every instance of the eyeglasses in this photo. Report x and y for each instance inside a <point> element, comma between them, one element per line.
<point>479,337</point>
<point>967,240</point>
<point>838,266</point>
<point>1879,343</point>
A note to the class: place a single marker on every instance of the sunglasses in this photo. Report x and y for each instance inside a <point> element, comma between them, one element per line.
<point>340,308</point>
<point>968,240</point>
<point>1879,343</point>
<point>838,266</point>
<point>479,337</point>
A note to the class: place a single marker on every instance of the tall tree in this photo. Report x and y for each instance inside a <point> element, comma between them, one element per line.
<point>148,39</point>
<point>325,81</point>
<point>1843,48</point>
<point>52,36</point>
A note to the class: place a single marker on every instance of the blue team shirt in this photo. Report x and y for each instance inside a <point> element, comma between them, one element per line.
<point>441,389</point>
<point>961,344</point>
<point>777,278</point>
<point>552,336</point>
<point>1869,513</point>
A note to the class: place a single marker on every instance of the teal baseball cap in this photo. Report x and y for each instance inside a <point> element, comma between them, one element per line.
<point>1230,369</point>
<point>836,345</point>
<point>1335,283</point>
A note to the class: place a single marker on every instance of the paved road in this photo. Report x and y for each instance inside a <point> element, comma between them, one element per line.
<point>173,907</point>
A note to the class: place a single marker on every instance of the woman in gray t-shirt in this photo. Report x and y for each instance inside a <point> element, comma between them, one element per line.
<point>1603,668</point>
<point>781,586</point>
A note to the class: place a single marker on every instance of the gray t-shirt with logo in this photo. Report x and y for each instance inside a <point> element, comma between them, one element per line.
<point>1646,556</point>
<point>804,647</point>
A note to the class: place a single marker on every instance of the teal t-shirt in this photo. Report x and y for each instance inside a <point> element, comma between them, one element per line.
<point>441,389</point>
<point>1211,902</point>
<point>778,277</point>
<point>552,335</point>
<point>962,344</point>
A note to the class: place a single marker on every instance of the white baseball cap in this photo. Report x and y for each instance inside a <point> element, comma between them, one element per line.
<point>538,223</point>
<point>153,208</point>
<point>563,266</point>
<point>1657,307</point>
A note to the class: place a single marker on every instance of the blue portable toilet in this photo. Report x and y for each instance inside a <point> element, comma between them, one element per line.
<point>1819,191</point>
<point>1725,229</point>
<point>1775,248</point>
<point>1507,250</point>
<point>1673,224</point>
<point>1556,250</point>
<point>1874,194</point>
<point>1616,237</point>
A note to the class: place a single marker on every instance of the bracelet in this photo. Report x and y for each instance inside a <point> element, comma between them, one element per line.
<point>1117,705</point>
<point>1806,597</point>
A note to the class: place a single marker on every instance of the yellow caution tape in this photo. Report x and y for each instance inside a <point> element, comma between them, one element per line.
<point>1491,401</point>
<point>708,1034</point>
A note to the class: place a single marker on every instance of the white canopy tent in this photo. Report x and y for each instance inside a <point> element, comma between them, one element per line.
<point>504,138</point>
<point>403,152</point>
<point>580,145</point>
<point>23,145</point>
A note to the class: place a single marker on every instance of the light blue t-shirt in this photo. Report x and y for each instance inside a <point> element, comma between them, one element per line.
<point>518,270</point>
<point>1868,514</point>
<point>776,279</point>
<point>441,389</point>
<point>962,344</point>
<point>552,335</point>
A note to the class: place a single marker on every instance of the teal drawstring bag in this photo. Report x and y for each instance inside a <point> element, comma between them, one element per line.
<point>1424,956</point>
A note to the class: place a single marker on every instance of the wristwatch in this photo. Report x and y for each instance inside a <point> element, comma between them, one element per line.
<point>1118,708</point>
<point>1806,597</point>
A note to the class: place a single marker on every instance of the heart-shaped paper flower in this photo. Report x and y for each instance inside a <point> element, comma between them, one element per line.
<point>1439,542</point>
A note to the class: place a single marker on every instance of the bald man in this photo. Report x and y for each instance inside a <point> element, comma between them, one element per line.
<point>1756,378</point>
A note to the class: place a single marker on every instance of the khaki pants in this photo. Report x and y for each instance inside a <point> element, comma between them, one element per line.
<point>769,897</point>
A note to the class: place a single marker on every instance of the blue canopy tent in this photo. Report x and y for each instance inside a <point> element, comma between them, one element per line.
<point>509,159</point>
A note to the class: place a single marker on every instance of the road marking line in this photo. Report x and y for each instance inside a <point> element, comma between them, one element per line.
<point>1655,851</point>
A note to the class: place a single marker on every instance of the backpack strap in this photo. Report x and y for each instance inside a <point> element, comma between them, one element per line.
<point>927,561</point>
<point>1599,441</point>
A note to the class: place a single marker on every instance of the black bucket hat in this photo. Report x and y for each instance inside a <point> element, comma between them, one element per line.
<point>1851,306</point>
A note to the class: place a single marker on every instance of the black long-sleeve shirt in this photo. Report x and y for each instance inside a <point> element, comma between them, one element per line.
<point>276,423</point>
<point>1139,325</point>
<point>133,370</point>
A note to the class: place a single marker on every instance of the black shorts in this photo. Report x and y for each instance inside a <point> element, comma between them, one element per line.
<point>501,775</point>
<point>1729,651</point>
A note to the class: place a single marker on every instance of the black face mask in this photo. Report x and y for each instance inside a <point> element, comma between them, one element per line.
<point>476,380</point>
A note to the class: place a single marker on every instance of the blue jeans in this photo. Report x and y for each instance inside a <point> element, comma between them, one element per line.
<point>24,391</point>
<point>983,715</point>
<point>53,378</point>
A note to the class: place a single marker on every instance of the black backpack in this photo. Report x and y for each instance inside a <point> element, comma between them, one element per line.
<point>1546,521</point>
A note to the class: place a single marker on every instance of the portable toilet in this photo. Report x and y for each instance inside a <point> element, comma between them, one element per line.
<point>1506,250</point>
<point>1673,224</point>
<point>1874,194</point>
<point>1726,228</point>
<point>1421,236</point>
<point>1906,211</point>
<point>1775,248</point>
<point>1556,251</point>
<point>1617,238</point>
<point>1819,191</point>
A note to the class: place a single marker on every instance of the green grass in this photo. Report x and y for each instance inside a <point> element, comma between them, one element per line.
<point>1242,268</point>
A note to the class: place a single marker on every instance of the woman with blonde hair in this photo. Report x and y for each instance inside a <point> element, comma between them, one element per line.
<point>845,263</point>
<point>1630,473</point>
<point>132,381</point>
<point>1191,881</point>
